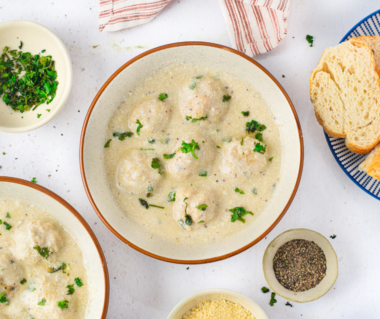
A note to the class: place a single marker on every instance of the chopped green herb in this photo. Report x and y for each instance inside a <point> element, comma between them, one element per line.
<point>169,156</point>
<point>7,215</point>
<point>171,197</point>
<point>151,205</point>
<point>288,304</point>
<point>108,143</point>
<point>271,159</point>
<point>189,220</point>
<point>190,147</point>
<point>48,110</point>
<point>151,140</point>
<point>4,153</point>
<point>7,226</point>
<point>272,300</point>
<point>20,46</point>
<point>150,189</point>
<point>64,304</point>
<point>242,141</point>
<point>39,115</point>
<point>62,267</point>
<point>217,146</point>
<point>333,236</point>
<point>237,190</point>
<point>147,149</point>
<point>71,289</point>
<point>254,191</point>
<point>192,86</point>
<point>203,173</point>
<point>264,290</point>
<point>156,165</point>
<point>245,113</point>
<point>42,302</point>
<point>238,213</point>
<point>259,136</point>
<point>193,120</point>
<point>43,51</point>
<point>139,126</point>
<point>162,96</point>
<point>44,251</point>
<point>1,221</point>
<point>3,298</point>
<point>310,39</point>
<point>202,207</point>
<point>23,281</point>
<point>78,282</point>
<point>201,221</point>
<point>144,203</point>
<point>122,136</point>
<point>259,148</point>
<point>34,180</point>
<point>253,126</point>
<point>34,87</point>
<point>226,98</point>
<point>199,77</point>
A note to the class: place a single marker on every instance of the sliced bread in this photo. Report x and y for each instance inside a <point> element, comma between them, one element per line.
<point>374,44</point>
<point>371,165</point>
<point>345,91</point>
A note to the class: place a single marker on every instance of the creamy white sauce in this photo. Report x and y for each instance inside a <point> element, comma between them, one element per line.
<point>218,131</point>
<point>25,276</point>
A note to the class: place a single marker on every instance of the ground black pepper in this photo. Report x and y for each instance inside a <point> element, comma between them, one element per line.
<point>299,265</point>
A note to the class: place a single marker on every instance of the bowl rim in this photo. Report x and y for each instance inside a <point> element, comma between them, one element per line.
<point>92,106</point>
<point>66,93</point>
<point>221,291</point>
<point>60,200</point>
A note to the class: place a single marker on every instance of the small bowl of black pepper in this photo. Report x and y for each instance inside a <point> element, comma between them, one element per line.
<point>300,265</point>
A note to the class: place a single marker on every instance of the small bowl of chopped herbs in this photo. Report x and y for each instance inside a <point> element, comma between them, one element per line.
<point>35,75</point>
<point>300,265</point>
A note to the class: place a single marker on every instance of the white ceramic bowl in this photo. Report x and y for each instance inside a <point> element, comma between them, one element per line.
<point>211,294</point>
<point>110,97</point>
<point>35,38</point>
<point>331,261</point>
<point>97,272</point>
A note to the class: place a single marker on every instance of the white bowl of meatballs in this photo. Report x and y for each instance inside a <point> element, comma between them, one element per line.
<point>51,264</point>
<point>191,152</point>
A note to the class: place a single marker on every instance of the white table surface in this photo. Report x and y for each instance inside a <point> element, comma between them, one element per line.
<point>327,201</point>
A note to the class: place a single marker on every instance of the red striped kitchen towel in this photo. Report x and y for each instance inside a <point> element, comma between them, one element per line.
<point>255,26</point>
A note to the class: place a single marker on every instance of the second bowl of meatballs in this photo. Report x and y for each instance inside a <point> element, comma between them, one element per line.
<point>191,152</point>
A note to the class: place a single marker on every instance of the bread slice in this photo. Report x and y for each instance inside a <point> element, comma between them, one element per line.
<point>374,44</point>
<point>345,91</point>
<point>371,165</point>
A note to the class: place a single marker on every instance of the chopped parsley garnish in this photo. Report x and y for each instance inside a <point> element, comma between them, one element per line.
<point>253,126</point>
<point>151,205</point>
<point>78,282</point>
<point>201,221</point>
<point>144,203</point>
<point>7,226</point>
<point>238,213</point>
<point>20,46</point>
<point>245,113</point>
<point>62,267</point>
<point>333,236</point>
<point>146,149</point>
<point>48,110</point>
<point>237,190</point>
<point>23,281</point>
<point>34,180</point>
<point>310,39</point>
<point>271,159</point>
<point>1,221</point>
<point>139,126</point>
<point>189,220</point>
<point>151,140</point>
<point>192,86</point>
<point>226,98</point>
<point>190,147</point>
<point>259,148</point>
<point>193,120</point>
<point>156,165</point>
<point>242,141</point>
<point>169,156</point>
<point>64,304</point>
<point>199,77</point>
<point>150,189</point>
<point>42,302</point>
<point>71,289</point>
<point>264,290</point>
<point>254,191</point>
<point>7,215</point>
<point>171,197</point>
<point>39,115</point>
<point>259,136</point>
<point>3,298</point>
<point>203,173</point>
<point>36,86</point>
<point>162,96</point>
<point>44,251</point>
<point>272,300</point>
<point>43,51</point>
<point>288,304</point>
<point>122,136</point>
<point>108,143</point>
<point>202,207</point>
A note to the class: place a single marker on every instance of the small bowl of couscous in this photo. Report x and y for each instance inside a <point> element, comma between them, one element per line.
<point>217,303</point>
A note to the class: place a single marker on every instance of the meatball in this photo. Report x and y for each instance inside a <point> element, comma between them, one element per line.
<point>154,116</point>
<point>184,165</point>
<point>239,159</point>
<point>39,233</point>
<point>201,98</point>
<point>135,173</point>
<point>193,207</point>
<point>11,273</point>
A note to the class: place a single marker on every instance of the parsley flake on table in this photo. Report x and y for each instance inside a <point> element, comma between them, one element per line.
<point>226,98</point>
<point>20,46</point>
<point>310,39</point>
<point>288,304</point>
<point>42,302</point>
<point>78,282</point>
<point>253,126</point>
<point>71,289</point>
<point>169,156</point>
<point>156,165</point>
<point>237,190</point>
<point>238,213</point>
<point>107,143</point>
<point>122,136</point>
<point>3,298</point>
<point>333,236</point>
<point>171,197</point>
<point>245,113</point>
<point>272,300</point>
<point>202,207</point>
<point>259,148</point>
<point>7,226</point>
<point>34,180</point>
<point>139,127</point>
<point>190,147</point>
<point>64,304</point>
<point>162,96</point>
<point>264,290</point>
<point>44,251</point>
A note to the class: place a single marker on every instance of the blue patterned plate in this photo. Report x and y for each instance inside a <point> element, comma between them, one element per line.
<point>349,161</point>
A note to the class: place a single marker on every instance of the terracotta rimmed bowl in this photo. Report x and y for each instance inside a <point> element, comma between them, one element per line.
<point>97,272</point>
<point>35,38</point>
<point>331,262</point>
<point>216,294</point>
<point>110,97</point>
